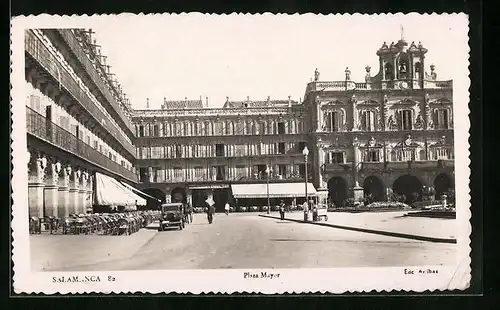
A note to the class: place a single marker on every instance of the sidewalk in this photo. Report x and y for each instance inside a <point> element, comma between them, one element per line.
<point>387,223</point>
<point>53,252</point>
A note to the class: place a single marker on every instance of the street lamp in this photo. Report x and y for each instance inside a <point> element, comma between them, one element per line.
<point>305,152</point>
<point>268,171</point>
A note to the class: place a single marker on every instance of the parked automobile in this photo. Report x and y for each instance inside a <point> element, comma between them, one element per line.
<point>172,215</point>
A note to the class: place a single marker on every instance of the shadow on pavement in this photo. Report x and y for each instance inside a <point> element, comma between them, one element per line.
<point>283,222</point>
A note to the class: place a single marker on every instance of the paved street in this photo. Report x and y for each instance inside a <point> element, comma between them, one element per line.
<point>237,241</point>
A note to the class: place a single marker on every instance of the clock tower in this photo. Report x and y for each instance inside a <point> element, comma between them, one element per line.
<point>401,65</point>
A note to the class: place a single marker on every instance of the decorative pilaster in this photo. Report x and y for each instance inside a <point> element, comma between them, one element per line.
<point>73,193</point>
<point>51,188</point>
<point>63,192</point>
<point>428,119</point>
<point>385,113</point>
<point>82,193</point>
<point>355,120</point>
<point>38,164</point>
<point>319,123</point>
<point>90,191</point>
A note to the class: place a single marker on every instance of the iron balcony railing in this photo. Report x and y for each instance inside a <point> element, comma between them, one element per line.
<point>42,128</point>
<point>78,51</point>
<point>51,64</point>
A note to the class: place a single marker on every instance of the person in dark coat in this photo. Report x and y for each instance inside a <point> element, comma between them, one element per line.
<point>282,210</point>
<point>210,213</point>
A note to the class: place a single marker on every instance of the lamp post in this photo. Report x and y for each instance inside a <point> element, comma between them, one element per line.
<point>305,152</point>
<point>268,171</point>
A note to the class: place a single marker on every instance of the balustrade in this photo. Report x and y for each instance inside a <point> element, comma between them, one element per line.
<point>42,128</point>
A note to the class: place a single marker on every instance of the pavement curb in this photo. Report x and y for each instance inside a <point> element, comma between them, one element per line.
<point>371,231</point>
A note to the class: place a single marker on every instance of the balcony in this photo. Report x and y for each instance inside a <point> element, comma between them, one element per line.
<point>337,167</point>
<point>42,128</point>
<point>72,42</point>
<point>41,54</point>
<point>241,178</point>
<point>404,165</point>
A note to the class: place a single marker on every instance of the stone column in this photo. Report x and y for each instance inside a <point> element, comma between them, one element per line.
<point>319,124</point>
<point>428,118</point>
<point>63,192</point>
<point>355,120</point>
<point>168,196</point>
<point>51,189</point>
<point>82,193</point>
<point>357,189</point>
<point>73,193</point>
<point>36,176</point>
<point>319,165</point>
<point>90,192</point>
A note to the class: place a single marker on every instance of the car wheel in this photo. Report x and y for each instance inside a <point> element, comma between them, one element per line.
<point>160,228</point>
<point>180,227</point>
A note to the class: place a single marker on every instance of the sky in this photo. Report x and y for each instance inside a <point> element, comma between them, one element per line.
<point>235,56</point>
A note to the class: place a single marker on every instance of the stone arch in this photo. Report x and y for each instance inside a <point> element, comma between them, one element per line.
<point>410,186</point>
<point>158,194</point>
<point>443,183</point>
<point>178,194</point>
<point>374,187</point>
<point>337,190</point>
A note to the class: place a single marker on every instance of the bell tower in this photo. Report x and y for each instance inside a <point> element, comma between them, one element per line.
<point>401,64</point>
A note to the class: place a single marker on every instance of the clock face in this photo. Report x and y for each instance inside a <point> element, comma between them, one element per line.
<point>404,85</point>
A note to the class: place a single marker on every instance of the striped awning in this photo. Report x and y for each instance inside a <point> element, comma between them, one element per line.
<point>276,190</point>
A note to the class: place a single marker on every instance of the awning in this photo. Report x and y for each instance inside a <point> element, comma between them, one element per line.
<point>276,190</point>
<point>112,193</point>
<point>135,190</point>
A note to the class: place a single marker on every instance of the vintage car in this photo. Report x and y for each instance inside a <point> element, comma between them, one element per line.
<point>172,215</point>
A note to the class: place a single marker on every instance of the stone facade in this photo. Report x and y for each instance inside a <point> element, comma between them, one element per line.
<point>392,132</point>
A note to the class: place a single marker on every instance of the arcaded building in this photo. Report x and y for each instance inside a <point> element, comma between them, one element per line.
<point>391,133</point>
<point>78,125</point>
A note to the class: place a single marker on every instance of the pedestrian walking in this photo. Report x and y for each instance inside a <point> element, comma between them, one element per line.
<point>282,210</point>
<point>226,208</point>
<point>210,210</point>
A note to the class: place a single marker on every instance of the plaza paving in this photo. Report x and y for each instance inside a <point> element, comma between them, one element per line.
<point>389,222</point>
<point>235,241</point>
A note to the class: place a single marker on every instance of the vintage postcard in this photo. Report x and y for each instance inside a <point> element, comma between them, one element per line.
<point>200,153</point>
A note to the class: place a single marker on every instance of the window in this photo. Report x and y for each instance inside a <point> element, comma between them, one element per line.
<point>141,131</point>
<point>282,170</point>
<point>372,156</point>
<point>178,151</point>
<point>368,121</point>
<point>218,128</point>
<point>281,148</point>
<point>122,163</point>
<point>219,150</point>
<point>332,121</point>
<point>261,128</point>
<point>156,130</point>
<point>96,144</point>
<point>301,146</point>
<point>143,174</point>
<point>302,170</point>
<point>198,173</point>
<point>178,172</point>
<point>406,120</point>
<point>101,149</point>
<point>406,155</point>
<point>88,140</point>
<point>441,119</point>
<point>221,173</point>
<point>240,172</point>
<point>281,128</point>
<point>335,158</point>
